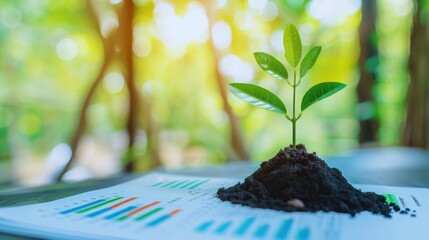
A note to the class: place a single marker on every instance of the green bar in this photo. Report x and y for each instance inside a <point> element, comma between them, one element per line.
<point>148,214</point>
<point>123,218</point>
<point>180,183</point>
<point>189,183</point>
<point>170,183</point>
<point>99,205</point>
<point>390,198</point>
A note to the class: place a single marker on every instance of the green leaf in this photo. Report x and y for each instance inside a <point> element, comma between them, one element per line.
<point>271,65</point>
<point>309,60</point>
<point>258,96</point>
<point>292,45</point>
<point>319,92</point>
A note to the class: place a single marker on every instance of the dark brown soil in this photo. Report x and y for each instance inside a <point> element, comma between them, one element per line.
<point>295,180</point>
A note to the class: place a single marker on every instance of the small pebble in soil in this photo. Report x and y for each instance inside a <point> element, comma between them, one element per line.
<point>413,215</point>
<point>407,209</point>
<point>296,174</point>
<point>403,212</point>
<point>296,203</point>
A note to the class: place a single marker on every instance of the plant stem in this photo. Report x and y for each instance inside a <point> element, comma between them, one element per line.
<point>293,111</point>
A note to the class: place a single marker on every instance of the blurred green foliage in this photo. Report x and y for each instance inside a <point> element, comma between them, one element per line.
<point>50,53</point>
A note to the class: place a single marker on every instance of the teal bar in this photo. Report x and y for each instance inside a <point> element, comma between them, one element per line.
<point>157,184</point>
<point>261,231</point>
<point>169,183</point>
<point>178,184</point>
<point>284,229</point>
<point>303,234</point>
<point>189,183</point>
<point>241,230</point>
<point>205,226</point>
<point>223,228</point>
<point>198,184</point>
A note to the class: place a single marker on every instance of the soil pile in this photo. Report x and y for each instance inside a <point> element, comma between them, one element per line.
<point>295,180</point>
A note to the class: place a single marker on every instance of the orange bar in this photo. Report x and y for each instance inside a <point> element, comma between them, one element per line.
<point>142,208</point>
<point>174,212</point>
<point>123,202</point>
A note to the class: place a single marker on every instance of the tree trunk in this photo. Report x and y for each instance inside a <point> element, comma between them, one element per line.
<point>109,55</point>
<point>235,135</point>
<point>368,121</point>
<point>416,130</point>
<point>127,18</point>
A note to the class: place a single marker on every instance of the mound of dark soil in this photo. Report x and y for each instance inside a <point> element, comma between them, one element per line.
<point>295,180</point>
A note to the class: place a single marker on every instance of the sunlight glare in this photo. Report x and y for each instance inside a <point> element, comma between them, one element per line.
<point>221,34</point>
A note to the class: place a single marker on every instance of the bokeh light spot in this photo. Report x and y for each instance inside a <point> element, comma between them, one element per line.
<point>222,36</point>
<point>67,49</point>
<point>115,1</point>
<point>10,17</point>
<point>232,66</point>
<point>114,82</point>
<point>107,25</point>
<point>332,12</point>
<point>142,46</point>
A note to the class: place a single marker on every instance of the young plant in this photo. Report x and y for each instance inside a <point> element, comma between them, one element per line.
<point>263,98</point>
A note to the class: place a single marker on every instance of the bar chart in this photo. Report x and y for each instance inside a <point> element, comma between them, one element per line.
<point>180,184</point>
<point>165,206</point>
<point>119,209</point>
<point>251,228</point>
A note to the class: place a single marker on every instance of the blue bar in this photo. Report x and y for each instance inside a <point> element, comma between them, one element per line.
<point>158,221</point>
<point>303,234</point>
<point>284,229</point>
<point>223,228</point>
<point>118,213</point>
<point>261,231</point>
<point>178,184</point>
<point>101,211</point>
<point>82,207</point>
<point>203,227</point>
<point>198,184</point>
<point>169,183</point>
<point>241,230</point>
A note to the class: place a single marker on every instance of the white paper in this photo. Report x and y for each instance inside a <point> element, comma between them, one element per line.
<point>166,206</point>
